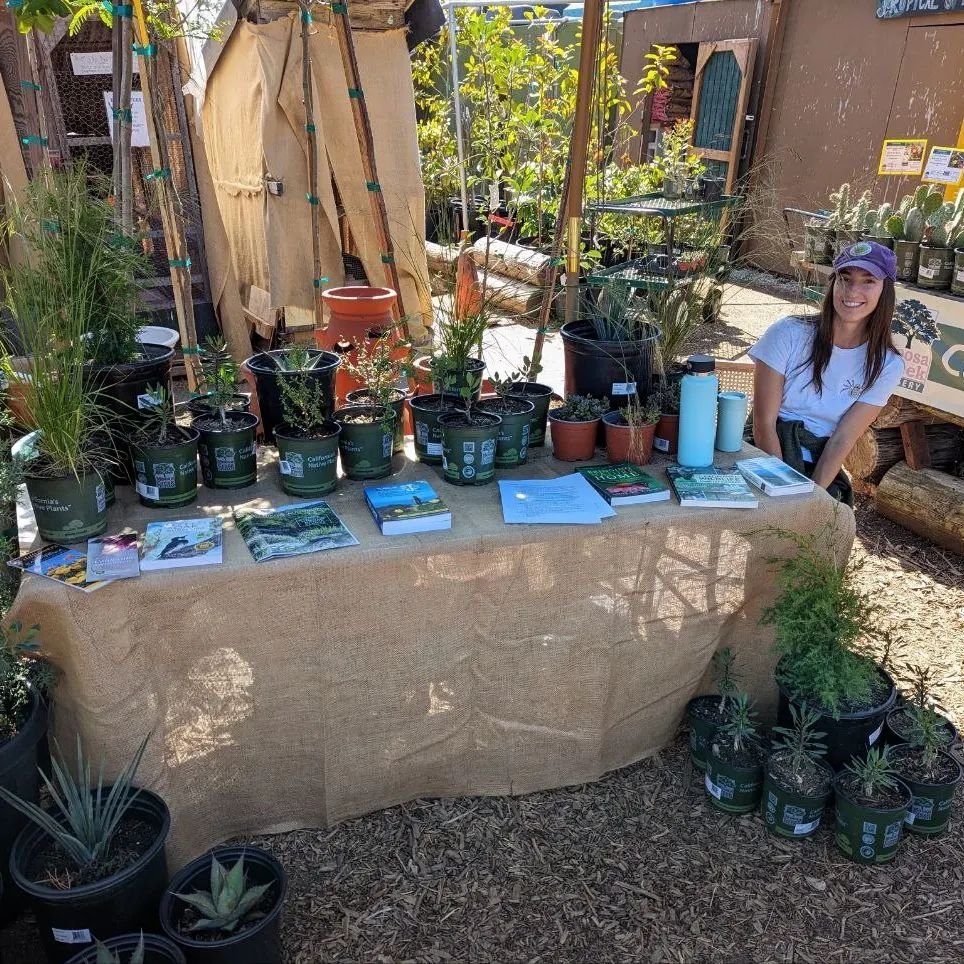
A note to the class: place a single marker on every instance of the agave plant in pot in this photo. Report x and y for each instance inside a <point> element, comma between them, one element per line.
<point>734,765</point>
<point>94,863</point>
<point>131,949</point>
<point>516,412</point>
<point>575,426</point>
<point>923,762</point>
<point>469,439</point>
<point>307,439</point>
<point>797,782</point>
<point>706,713</point>
<point>226,445</point>
<point>164,454</point>
<point>225,907</point>
<point>822,619</point>
<point>630,432</point>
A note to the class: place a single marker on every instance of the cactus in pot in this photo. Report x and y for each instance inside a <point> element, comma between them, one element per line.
<point>936,266</point>
<point>907,229</point>
<point>877,225</point>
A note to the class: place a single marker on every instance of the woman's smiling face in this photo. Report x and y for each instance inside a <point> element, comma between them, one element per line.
<point>855,294</point>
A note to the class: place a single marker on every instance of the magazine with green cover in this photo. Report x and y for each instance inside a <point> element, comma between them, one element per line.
<point>624,483</point>
<point>292,530</point>
<point>710,486</point>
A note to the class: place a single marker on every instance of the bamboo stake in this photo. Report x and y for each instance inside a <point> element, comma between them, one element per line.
<point>317,281</point>
<point>366,145</point>
<point>123,126</point>
<point>115,76</point>
<point>172,212</point>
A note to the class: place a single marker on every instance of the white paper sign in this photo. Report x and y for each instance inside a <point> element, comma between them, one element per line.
<point>945,165</point>
<point>139,136</point>
<point>62,936</point>
<point>98,62</point>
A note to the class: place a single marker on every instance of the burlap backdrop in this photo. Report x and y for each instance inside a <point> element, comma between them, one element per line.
<point>254,126</point>
<point>487,659</point>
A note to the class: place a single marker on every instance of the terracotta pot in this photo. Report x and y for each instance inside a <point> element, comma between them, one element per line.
<point>620,445</point>
<point>353,312</point>
<point>666,435</point>
<point>573,441</point>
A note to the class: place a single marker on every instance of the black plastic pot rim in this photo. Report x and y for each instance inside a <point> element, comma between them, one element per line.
<point>158,354</point>
<point>879,710</point>
<point>188,432</point>
<point>631,346</point>
<point>31,834</point>
<point>483,406</point>
<point>736,767</point>
<point>155,943</point>
<point>284,432</point>
<point>259,367</point>
<point>842,792</point>
<point>524,389</point>
<point>416,401</point>
<point>78,478</point>
<point>237,421</point>
<point>225,856</point>
<point>923,783</point>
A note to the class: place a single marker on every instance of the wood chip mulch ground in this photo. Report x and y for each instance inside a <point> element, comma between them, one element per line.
<point>637,867</point>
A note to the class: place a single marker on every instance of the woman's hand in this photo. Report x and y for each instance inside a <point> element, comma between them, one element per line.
<point>854,423</point>
<point>767,397</point>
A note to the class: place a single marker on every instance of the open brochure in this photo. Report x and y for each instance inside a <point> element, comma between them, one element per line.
<point>292,530</point>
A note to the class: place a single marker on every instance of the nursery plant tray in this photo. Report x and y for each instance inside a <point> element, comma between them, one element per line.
<point>659,206</point>
<point>640,274</point>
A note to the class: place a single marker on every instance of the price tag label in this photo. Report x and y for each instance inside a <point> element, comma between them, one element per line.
<point>71,937</point>
<point>148,491</point>
<point>802,828</point>
<point>433,448</point>
<point>875,736</point>
<point>661,444</point>
<point>713,789</point>
<point>147,401</point>
<point>624,388</point>
<point>285,467</point>
<point>927,272</point>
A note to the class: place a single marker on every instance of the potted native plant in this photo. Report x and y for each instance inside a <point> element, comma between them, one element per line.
<point>426,410</point>
<point>94,863</point>
<point>164,454</point>
<point>734,765</point>
<point>923,763</point>
<point>797,781</point>
<point>903,719</point>
<point>469,439</point>
<point>705,714</point>
<point>516,412</point>
<point>943,222</point>
<point>540,396</point>
<point>575,424</point>
<point>630,431</point>
<point>871,807</point>
<point>458,360</point>
<point>225,907</point>
<point>666,435</point>
<point>366,440</point>
<point>226,444</point>
<point>821,619</point>
<point>131,949</point>
<point>307,439</point>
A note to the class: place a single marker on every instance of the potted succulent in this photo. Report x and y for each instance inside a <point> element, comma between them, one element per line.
<point>875,225</point>
<point>630,432</point>
<point>575,424</point>
<point>366,440</point>
<point>924,764</point>
<point>516,412</point>
<point>272,368</point>
<point>225,907</point>
<point>226,444</point>
<point>941,229</point>
<point>131,949</point>
<point>822,618</point>
<point>469,440</point>
<point>903,720</point>
<point>907,229</point>
<point>797,781</point>
<point>164,454</point>
<point>734,765</point>
<point>94,863</point>
<point>307,439</point>
<point>871,807</point>
<point>24,682</point>
<point>705,714</point>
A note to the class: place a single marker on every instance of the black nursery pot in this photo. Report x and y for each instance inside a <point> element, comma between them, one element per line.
<point>848,736</point>
<point>257,944</point>
<point>702,731</point>
<point>119,904</point>
<point>19,759</point>
<point>157,950</point>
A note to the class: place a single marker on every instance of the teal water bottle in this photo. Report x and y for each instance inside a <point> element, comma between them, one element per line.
<point>697,412</point>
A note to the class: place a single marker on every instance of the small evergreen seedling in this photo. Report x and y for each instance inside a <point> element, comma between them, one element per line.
<point>875,773</point>
<point>927,732</point>
<point>218,375</point>
<point>741,731</point>
<point>229,903</point>
<point>724,675</point>
<point>801,743</point>
<point>303,407</point>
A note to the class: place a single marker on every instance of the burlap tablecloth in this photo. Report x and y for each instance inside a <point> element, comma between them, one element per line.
<point>483,660</point>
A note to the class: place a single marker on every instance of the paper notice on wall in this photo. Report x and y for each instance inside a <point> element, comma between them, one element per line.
<point>94,62</point>
<point>139,136</point>
<point>905,157</point>
<point>945,166</point>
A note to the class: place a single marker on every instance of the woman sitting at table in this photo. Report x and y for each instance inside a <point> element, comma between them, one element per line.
<point>819,381</point>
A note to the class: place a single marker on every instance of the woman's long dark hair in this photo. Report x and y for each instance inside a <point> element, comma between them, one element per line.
<point>879,342</point>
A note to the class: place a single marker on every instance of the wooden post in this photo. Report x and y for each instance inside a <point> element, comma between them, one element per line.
<point>366,145</point>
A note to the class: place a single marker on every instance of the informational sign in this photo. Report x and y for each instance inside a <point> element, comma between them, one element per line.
<point>928,330</point>
<point>96,62</point>
<point>915,8</point>
<point>945,166</point>
<point>139,137</point>
<point>904,157</point>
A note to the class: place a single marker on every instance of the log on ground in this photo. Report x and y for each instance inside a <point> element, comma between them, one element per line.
<point>878,449</point>
<point>927,502</point>
<point>513,260</point>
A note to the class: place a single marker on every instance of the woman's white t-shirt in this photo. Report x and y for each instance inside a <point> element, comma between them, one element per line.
<point>785,347</point>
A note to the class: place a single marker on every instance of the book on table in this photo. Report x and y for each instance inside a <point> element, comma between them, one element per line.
<point>113,557</point>
<point>709,486</point>
<point>292,530</point>
<point>63,564</point>
<point>182,542</point>
<point>624,483</point>
<point>774,477</point>
<point>407,507</point>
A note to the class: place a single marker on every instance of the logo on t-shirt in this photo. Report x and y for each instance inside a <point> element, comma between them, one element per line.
<point>853,388</point>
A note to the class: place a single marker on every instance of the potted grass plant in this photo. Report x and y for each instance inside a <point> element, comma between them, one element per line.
<point>164,454</point>
<point>457,361</point>
<point>131,949</point>
<point>226,443</point>
<point>823,621</point>
<point>871,806</point>
<point>94,863</point>
<point>469,439</point>
<point>706,713</point>
<point>225,907</point>
<point>516,412</point>
<point>630,431</point>
<point>575,426</point>
<point>307,439</point>
<point>734,765</point>
<point>797,782</point>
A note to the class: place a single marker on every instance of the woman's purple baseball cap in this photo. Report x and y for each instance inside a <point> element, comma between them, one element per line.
<point>881,262</point>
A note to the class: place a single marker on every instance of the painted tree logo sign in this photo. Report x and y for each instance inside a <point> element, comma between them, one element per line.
<point>933,356</point>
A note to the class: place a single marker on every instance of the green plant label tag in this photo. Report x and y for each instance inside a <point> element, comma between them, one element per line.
<point>624,388</point>
<point>81,936</point>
